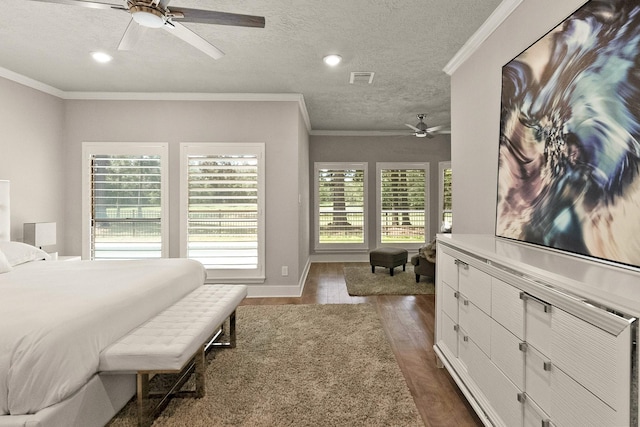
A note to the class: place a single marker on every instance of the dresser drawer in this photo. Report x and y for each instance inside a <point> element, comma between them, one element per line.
<point>449,334</point>
<point>497,388</point>
<point>476,323</point>
<point>573,405</point>
<point>503,395</point>
<point>506,354</point>
<point>475,285</point>
<point>595,358</point>
<point>567,402</point>
<point>538,380</point>
<point>538,319</point>
<point>447,269</point>
<point>534,416</point>
<point>449,300</point>
<point>466,353</point>
<point>507,308</point>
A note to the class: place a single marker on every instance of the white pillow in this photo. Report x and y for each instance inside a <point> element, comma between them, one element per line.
<point>4,263</point>
<point>19,253</point>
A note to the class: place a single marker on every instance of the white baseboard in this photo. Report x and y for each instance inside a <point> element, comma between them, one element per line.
<point>275,291</point>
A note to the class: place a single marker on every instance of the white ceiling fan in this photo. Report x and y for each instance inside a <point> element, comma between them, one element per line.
<point>155,14</point>
<point>421,130</point>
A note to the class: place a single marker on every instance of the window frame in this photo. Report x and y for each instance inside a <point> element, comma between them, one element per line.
<point>380,166</point>
<point>341,247</point>
<point>90,149</point>
<point>256,275</point>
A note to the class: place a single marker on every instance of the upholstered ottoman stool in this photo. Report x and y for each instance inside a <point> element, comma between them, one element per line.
<point>389,258</point>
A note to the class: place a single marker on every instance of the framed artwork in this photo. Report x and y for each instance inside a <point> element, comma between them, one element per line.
<point>569,152</point>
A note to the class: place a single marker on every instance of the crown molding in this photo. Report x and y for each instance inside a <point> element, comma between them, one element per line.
<point>498,16</point>
<point>180,96</point>
<point>360,133</point>
<point>33,84</point>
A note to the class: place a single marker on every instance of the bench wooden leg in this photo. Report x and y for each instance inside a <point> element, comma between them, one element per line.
<point>200,372</point>
<point>144,415</point>
<point>232,330</point>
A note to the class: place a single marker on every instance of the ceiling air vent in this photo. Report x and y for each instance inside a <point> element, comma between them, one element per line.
<point>358,77</point>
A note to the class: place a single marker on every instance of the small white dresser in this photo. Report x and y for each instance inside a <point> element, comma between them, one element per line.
<point>534,337</point>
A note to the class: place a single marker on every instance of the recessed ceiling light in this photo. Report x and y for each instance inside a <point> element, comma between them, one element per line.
<point>332,60</point>
<point>101,57</point>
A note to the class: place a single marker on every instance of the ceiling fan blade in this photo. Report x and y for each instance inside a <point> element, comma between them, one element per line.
<point>84,3</point>
<point>219,18</point>
<point>415,129</point>
<point>193,39</point>
<point>439,129</point>
<point>132,34</point>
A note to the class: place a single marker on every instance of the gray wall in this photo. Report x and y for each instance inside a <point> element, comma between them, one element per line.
<point>475,111</point>
<point>372,149</point>
<point>41,147</point>
<point>31,156</point>
<point>274,123</point>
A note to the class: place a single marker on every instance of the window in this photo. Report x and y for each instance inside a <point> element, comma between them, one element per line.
<point>341,206</point>
<point>222,208</point>
<point>124,202</point>
<point>445,197</point>
<point>402,203</point>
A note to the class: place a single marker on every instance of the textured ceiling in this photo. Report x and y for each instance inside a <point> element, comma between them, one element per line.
<point>406,43</point>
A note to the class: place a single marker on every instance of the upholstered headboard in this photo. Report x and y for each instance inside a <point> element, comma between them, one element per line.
<point>5,212</point>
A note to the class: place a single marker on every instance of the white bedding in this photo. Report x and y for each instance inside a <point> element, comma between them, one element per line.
<point>56,318</point>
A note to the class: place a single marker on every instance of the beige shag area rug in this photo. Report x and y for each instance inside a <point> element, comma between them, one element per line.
<point>361,281</point>
<point>298,365</point>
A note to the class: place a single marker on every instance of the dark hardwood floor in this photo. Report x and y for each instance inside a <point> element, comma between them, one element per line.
<point>408,322</point>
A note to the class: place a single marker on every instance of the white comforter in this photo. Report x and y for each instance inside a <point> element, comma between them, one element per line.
<point>56,318</point>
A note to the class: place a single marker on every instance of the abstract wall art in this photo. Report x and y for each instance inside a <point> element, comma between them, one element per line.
<point>569,152</point>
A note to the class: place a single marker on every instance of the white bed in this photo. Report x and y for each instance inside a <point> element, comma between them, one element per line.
<point>56,318</point>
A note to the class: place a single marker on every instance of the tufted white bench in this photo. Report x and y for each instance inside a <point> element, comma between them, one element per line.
<point>174,341</point>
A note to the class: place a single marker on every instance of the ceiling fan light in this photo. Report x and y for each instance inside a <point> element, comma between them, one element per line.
<point>332,60</point>
<point>421,134</point>
<point>147,17</point>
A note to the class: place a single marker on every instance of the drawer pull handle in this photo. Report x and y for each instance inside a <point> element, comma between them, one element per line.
<point>547,366</point>
<point>545,305</point>
<point>456,327</point>
<point>456,294</point>
<point>546,423</point>
<point>521,397</point>
<point>462,264</point>
<point>465,338</point>
<point>523,347</point>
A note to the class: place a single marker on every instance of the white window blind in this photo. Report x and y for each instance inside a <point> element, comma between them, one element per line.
<point>402,191</point>
<point>340,205</point>
<point>125,197</point>
<point>224,214</point>
<point>445,198</point>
